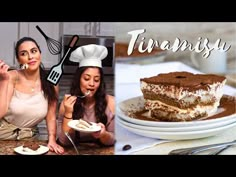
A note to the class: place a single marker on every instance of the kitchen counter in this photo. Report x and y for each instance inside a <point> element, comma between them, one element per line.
<point>7,148</point>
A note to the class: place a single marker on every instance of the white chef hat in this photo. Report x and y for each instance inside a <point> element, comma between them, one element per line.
<point>89,55</point>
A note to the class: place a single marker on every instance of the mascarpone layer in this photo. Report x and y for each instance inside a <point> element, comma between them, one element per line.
<point>181,113</point>
<point>214,90</point>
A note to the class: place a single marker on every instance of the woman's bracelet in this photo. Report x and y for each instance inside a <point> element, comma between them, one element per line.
<point>67,117</point>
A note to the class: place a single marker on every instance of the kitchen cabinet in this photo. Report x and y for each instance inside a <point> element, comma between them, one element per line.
<point>88,28</point>
<point>105,29</point>
<point>10,32</point>
<point>52,30</point>
<point>8,37</point>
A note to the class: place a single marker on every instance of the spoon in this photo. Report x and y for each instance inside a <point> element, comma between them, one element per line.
<point>72,142</point>
<point>86,94</point>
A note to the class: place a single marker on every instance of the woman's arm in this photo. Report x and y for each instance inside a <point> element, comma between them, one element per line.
<point>65,115</point>
<point>7,79</point>
<point>52,126</point>
<point>3,97</point>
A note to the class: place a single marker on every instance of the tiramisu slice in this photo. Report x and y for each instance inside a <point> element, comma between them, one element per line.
<point>84,124</point>
<point>182,96</point>
<point>30,146</point>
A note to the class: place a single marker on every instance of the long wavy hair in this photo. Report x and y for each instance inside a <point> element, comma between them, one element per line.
<point>100,96</point>
<point>48,89</point>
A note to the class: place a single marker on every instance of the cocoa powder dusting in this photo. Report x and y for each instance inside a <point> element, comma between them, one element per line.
<point>229,104</point>
<point>186,80</point>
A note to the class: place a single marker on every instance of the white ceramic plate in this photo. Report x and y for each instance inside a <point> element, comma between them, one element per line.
<point>93,128</point>
<point>39,151</point>
<point>137,103</point>
<point>176,129</point>
<point>179,135</point>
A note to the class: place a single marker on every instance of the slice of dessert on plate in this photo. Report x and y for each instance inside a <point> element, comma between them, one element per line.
<point>84,126</point>
<point>182,96</point>
<point>31,148</point>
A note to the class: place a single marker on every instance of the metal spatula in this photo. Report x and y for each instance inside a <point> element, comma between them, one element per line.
<point>57,70</point>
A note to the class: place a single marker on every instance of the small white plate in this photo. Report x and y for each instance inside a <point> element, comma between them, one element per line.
<point>39,151</point>
<point>94,128</point>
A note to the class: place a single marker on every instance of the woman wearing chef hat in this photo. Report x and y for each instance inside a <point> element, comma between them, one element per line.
<point>96,106</point>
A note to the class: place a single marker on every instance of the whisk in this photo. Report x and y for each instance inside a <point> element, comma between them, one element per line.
<point>54,46</point>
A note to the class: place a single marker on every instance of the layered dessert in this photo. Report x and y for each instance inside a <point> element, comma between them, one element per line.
<point>83,124</point>
<point>182,96</point>
<point>30,146</point>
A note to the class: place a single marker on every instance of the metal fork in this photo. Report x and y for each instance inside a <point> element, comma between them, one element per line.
<point>72,142</point>
<point>218,151</point>
<point>195,150</point>
<point>86,94</point>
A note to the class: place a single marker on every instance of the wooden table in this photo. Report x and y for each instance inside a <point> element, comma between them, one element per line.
<point>7,148</point>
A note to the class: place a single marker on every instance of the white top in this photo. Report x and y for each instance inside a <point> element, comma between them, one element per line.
<point>27,110</point>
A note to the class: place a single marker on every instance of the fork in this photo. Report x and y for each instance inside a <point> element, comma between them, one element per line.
<point>218,151</point>
<point>57,70</point>
<point>195,150</point>
<point>86,94</point>
<point>72,142</point>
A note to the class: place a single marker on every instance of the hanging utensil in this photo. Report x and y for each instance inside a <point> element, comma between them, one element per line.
<point>56,71</point>
<point>54,46</point>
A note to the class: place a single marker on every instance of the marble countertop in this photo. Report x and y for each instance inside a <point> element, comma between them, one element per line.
<point>7,148</point>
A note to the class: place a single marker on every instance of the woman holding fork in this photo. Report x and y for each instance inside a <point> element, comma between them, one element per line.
<point>95,105</point>
<point>26,97</point>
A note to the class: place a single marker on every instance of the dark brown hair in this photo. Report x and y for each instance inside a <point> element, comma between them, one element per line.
<point>100,96</point>
<point>48,89</point>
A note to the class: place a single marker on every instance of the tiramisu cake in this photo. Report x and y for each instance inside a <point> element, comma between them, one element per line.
<point>182,96</point>
<point>30,146</point>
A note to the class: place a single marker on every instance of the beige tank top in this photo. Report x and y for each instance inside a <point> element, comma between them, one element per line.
<point>27,110</point>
